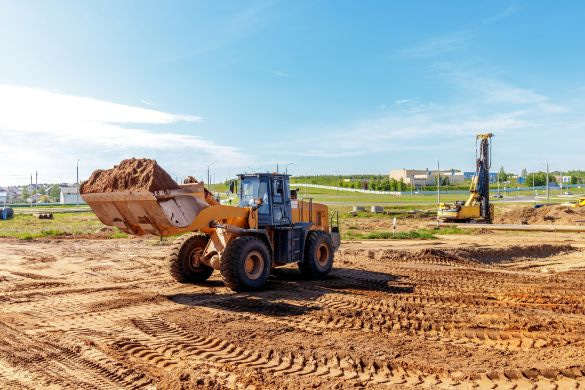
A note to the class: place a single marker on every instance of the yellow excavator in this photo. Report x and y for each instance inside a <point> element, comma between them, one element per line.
<point>477,207</point>
<point>269,228</point>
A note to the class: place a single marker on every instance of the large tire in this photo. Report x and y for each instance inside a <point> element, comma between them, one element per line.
<point>245,264</point>
<point>319,254</point>
<point>181,260</point>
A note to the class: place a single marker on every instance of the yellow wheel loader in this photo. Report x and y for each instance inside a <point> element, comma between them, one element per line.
<point>477,207</point>
<point>269,228</point>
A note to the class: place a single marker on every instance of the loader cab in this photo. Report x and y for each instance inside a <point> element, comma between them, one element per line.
<point>270,194</point>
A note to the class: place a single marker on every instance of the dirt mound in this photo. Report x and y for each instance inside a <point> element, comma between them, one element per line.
<point>483,255</point>
<point>138,174</point>
<point>432,255</point>
<point>487,255</point>
<point>555,214</point>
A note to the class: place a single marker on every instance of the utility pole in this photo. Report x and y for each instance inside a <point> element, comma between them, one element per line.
<point>547,187</point>
<point>438,183</point>
<point>77,173</point>
<point>208,166</point>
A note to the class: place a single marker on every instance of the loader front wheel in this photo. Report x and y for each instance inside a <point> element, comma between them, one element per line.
<point>184,261</point>
<point>245,264</point>
<point>319,254</point>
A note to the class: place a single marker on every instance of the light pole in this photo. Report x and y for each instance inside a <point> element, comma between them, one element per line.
<point>438,183</point>
<point>208,166</point>
<point>286,167</point>
<point>77,169</point>
<point>547,186</point>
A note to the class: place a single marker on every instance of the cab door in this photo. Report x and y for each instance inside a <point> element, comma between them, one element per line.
<point>281,210</point>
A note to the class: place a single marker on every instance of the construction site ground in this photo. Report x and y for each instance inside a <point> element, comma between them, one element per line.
<point>486,310</point>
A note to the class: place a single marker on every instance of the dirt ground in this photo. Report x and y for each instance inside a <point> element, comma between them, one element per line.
<point>464,311</point>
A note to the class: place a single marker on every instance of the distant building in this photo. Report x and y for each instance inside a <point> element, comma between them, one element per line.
<point>563,179</point>
<point>3,197</point>
<point>493,176</point>
<point>69,195</point>
<point>425,177</point>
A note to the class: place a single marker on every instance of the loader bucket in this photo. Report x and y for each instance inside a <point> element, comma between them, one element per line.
<point>162,213</point>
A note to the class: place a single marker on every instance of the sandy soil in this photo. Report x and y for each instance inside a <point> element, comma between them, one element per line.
<point>484,311</point>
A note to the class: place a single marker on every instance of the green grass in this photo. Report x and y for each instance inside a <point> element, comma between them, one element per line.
<point>324,195</point>
<point>28,227</point>
<point>418,234</point>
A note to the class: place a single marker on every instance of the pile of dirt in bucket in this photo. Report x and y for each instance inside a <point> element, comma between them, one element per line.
<point>554,214</point>
<point>137,174</point>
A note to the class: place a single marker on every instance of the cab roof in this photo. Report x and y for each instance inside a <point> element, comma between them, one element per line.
<point>263,174</point>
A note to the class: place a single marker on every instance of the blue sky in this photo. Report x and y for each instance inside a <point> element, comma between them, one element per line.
<point>331,86</point>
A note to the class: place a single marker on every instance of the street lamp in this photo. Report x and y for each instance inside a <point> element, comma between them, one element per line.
<point>286,167</point>
<point>77,169</point>
<point>208,166</point>
<point>547,186</point>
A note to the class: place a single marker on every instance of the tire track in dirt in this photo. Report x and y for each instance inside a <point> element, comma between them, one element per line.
<point>171,340</point>
<point>48,363</point>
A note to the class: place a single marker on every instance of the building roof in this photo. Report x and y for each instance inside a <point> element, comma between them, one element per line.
<point>69,190</point>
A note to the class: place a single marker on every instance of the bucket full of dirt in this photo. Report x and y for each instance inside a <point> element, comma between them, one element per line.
<point>140,197</point>
<point>135,174</point>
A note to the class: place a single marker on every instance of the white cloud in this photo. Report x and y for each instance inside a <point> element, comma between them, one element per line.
<point>55,127</point>
<point>281,74</point>
<point>415,129</point>
<point>438,45</point>
<point>148,103</point>
<point>405,101</point>
<point>507,12</point>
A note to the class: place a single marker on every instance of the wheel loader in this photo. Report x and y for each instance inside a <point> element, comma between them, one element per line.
<point>269,228</point>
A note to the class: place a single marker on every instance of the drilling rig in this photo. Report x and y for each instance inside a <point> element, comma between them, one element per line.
<point>477,208</point>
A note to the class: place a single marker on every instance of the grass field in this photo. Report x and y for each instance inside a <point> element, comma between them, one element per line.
<point>26,226</point>
<point>333,196</point>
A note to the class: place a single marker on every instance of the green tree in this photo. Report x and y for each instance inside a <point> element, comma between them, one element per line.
<point>25,192</point>
<point>401,185</point>
<point>524,173</point>
<point>502,175</point>
<point>539,179</point>
<point>55,192</point>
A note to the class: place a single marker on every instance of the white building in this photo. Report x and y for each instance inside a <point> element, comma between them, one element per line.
<point>3,197</point>
<point>69,195</point>
<point>425,177</point>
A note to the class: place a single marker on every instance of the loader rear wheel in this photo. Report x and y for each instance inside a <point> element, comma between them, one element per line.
<point>319,254</point>
<point>245,264</point>
<point>184,261</point>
